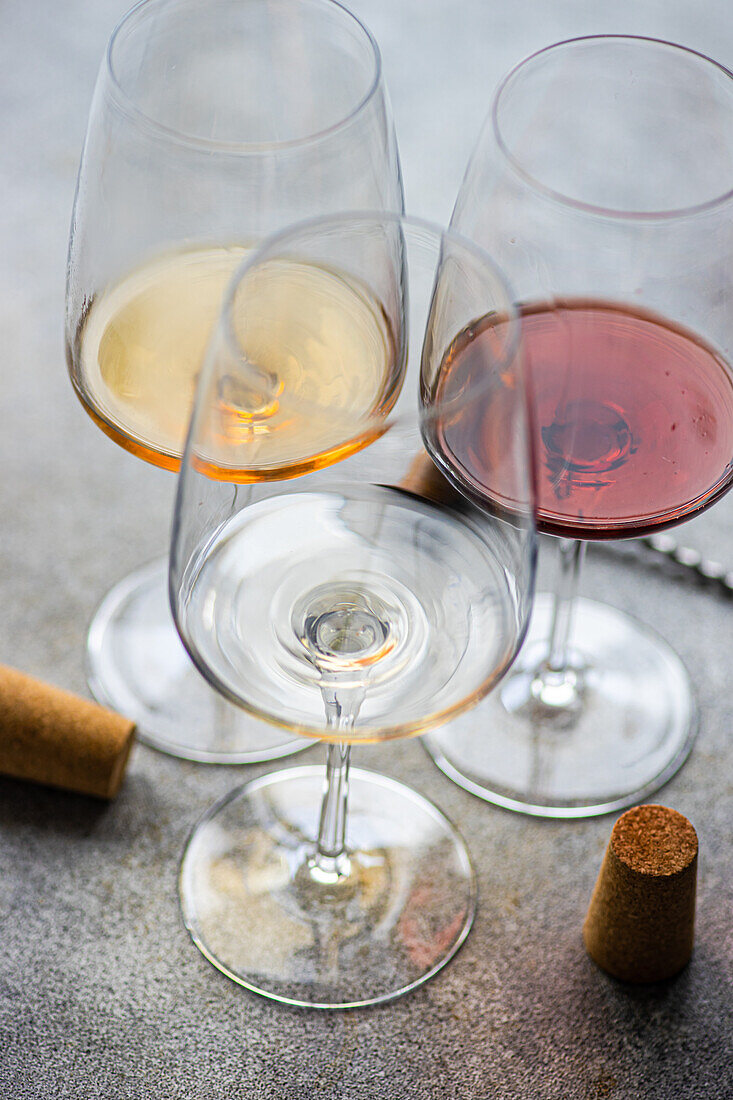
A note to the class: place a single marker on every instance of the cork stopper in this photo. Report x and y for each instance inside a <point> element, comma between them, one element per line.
<point>640,921</point>
<point>425,480</point>
<point>52,737</point>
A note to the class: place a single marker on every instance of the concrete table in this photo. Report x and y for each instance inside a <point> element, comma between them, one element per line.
<point>101,992</point>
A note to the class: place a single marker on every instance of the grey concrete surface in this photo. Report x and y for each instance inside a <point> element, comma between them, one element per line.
<point>101,993</point>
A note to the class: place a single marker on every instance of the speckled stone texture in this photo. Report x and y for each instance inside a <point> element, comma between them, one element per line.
<point>101,993</point>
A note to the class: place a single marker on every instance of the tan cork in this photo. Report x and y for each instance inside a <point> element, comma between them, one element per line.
<point>641,918</point>
<point>53,737</point>
<point>425,480</point>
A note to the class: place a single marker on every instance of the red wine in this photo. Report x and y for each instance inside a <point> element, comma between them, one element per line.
<point>633,418</point>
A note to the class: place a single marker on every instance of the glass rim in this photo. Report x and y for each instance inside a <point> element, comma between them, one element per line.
<point>127,105</point>
<point>269,248</point>
<point>559,197</point>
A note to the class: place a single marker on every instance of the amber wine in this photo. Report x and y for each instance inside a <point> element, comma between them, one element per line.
<point>312,363</point>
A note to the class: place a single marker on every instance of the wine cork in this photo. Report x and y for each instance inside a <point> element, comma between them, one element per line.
<point>641,918</point>
<point>425,480</point>
<point>53,737</point>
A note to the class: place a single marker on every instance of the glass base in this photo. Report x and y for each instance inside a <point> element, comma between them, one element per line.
<point>138,666</point>
<point>604,736</point>
<point>263,914</point>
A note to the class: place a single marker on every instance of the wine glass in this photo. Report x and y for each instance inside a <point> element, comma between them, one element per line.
<point>602,185</point>
<point>326,577</point>
<point>213,124</point>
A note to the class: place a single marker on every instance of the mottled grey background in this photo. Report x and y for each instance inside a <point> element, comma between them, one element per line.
<point>101,992</point>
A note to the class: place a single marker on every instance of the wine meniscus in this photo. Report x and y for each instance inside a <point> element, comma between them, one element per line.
<point>633,418</point>
<point>139,350</point>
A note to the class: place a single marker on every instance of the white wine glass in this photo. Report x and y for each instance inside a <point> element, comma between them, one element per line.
<point>602,185</point>
<point>326,577</point>
<point>213,123</point>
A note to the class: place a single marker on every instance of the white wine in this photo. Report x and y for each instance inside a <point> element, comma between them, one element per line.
<point>137,353</point>
<point>304,373</point>
<point>313,362</point>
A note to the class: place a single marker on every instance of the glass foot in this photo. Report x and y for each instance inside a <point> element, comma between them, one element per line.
<point>267,917</point>
<point>603,736</point>
<point>137,666</point>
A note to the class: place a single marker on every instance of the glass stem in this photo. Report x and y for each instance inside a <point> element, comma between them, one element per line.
<point>570,561</point>
<point>330,857</point>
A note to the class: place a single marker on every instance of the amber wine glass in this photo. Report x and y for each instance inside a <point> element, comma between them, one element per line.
<point>327,578</point>
<point>602,186</point>
<point>213,123</point>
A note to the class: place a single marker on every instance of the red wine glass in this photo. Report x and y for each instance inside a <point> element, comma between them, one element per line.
<point>602,185</point>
